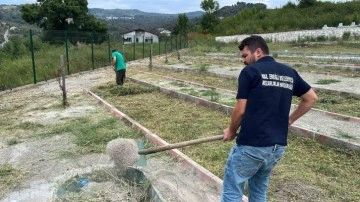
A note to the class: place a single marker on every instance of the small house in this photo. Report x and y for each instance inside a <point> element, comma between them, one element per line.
<point>140,36</point>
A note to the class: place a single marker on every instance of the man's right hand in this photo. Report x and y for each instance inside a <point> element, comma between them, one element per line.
<point>229,135</point>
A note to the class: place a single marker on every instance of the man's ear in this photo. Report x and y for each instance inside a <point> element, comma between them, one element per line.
<point>258,53</point>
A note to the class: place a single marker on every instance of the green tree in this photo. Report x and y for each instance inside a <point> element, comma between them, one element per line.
<point>209,6</point>
<point>208,23</point>
<point>306,3</point>
<point>209,20</point>
<point>69,15</point>
<point>182,25</point>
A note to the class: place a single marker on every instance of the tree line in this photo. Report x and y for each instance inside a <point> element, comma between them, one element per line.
<point>240,18</point>
<point>306,14</point>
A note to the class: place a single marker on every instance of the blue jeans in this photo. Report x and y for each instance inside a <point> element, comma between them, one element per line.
<point>252,164</point>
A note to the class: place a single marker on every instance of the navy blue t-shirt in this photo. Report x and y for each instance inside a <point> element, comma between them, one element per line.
<point>268,87</point>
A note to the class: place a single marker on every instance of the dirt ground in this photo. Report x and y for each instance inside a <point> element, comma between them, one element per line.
<point>41,164</point>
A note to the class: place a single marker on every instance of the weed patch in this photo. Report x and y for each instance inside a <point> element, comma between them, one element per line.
<point>346,105</point>
<point>214,96</point>
<point>202,67</point>
<point>327,81</point>
<point>13,141</point>
<point>9,177</point>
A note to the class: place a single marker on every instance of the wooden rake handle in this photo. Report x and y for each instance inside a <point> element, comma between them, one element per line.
<point>180,144</point>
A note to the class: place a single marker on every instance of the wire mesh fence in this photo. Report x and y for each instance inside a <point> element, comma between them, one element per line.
<point>37,53</point>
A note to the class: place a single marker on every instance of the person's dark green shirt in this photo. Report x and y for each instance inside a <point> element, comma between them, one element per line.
<point>120,62</point>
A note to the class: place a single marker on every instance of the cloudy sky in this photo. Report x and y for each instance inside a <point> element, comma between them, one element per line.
<point>164,6</point>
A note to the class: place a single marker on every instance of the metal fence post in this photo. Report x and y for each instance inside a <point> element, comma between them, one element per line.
<point>159,45</point>
<point>134,49</point>
<point>176,42</point>
<point>67,52</point>
<point>171,44</point>
<point>108,35</point>
<point>62,81</point>
<point>151,54</point>
<point>180,42</point>
<point>144,46</point>
<point>123,45</point>
<point>92,50</point>
<point>166,57</point>
<point>32,56</point>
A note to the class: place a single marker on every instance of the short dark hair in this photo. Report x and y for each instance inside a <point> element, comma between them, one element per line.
<point>254,42</point>
<point>114,50</point>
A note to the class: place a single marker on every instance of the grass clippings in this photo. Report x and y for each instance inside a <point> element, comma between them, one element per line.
<point>10,177</point>
<point>309,171</point>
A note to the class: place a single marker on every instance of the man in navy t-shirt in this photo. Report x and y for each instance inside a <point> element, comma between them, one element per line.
<point>265,90</point>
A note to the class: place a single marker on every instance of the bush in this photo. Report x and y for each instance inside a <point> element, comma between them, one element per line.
<point>14,48</point>
<point>346,36</point>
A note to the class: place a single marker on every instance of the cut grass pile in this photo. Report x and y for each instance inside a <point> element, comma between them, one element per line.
<point>308,171</point>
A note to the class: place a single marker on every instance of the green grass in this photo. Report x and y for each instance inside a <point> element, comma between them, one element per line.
<point>346,105</point>
<point>214,96</point>
<point>91,135</point>
<point>15,72</point>
<point>10,177</point>
<point>303,67</point>
<point>327,81</point>
<point>18,72</point>
<point>344,135</point>
<point>308,169</point>
<point>202,67</point>
<point>331,102</point>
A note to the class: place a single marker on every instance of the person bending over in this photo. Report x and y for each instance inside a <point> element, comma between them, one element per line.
<point>265,90</point>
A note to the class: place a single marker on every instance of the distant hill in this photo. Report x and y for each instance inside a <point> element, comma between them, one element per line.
<point>11,13</point>
<point>10,17</point>
<point>124,20</point>
<point>119,20</point>
<point>103,13</point>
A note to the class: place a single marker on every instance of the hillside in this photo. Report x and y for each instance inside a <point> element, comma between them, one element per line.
<point>119,20</point>
<point>228,11</point>
<point>124,20</point>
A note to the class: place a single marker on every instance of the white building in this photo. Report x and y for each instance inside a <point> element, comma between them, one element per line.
<point>165,32</point>
<point>140,36</point>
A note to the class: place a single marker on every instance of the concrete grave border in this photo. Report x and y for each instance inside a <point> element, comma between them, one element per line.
<point>196,169</point>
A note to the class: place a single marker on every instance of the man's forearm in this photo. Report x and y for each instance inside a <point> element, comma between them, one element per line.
<point>237,115</point>
<point>235,122</point>
<point>308,100</point>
